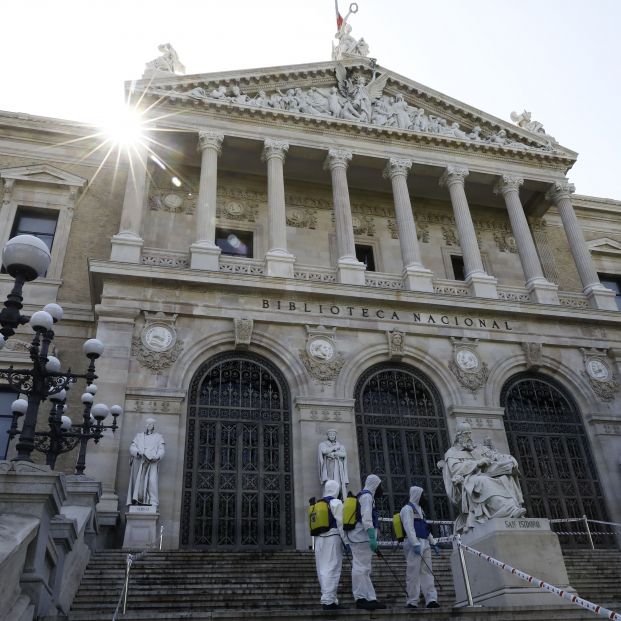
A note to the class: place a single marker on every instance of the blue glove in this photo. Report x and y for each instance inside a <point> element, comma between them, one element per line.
<point>347,549</point>
<point>372,539</point>
<point>436,549</point>
<point>417,548</point>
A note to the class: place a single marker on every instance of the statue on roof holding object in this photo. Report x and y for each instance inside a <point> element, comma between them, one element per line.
<point>347,46</point>
<point>524,120</point>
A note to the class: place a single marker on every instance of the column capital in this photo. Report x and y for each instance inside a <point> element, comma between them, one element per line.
<point>560,190</point>
<point>336,158</point>
<point>508,183</point>
<point>454,174</point>
<point>209,139</point>
<point>397,166</point>
<point>274,148</point>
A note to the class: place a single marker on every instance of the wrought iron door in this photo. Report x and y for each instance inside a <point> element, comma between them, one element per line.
<point>547,437</point>
<point>402,435</point>
<point>238,482</point>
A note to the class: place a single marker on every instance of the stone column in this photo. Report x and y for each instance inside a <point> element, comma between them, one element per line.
<point>127,243</point>
<point>415,276</point>
<point>115,329</point>
<point>480,283</point>
<point>539,288</point>
<point>204,254</point>
<point>349,270</point>
<point>599,296</point>
<point>278,262</point>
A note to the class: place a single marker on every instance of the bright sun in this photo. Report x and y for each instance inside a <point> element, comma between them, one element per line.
<point>124,128</point>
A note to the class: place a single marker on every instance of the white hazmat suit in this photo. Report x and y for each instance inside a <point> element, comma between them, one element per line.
<point>362,553</point>
<point>417,554</point>
<point>329,549</point>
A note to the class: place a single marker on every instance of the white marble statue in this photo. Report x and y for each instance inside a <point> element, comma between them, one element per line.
<point>525,121</point>
<point>146,451</point>
<point>480,481</point>
<point>167,63</point>
<point>347,44</point>
<point>332,459</point>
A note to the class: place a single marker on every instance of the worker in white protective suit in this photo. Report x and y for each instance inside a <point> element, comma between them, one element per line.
<point>417,549</point>
<point>329,549</point>
<point>363,540</point>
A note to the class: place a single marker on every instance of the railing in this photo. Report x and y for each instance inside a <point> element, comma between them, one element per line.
<point>235,265</point>
<point>573,300</point>
<point>583,529</point>
<point>546,586</point>
<point>164,258</point>
<point>314,274</point>
<point>513,294</point>
<point>129,561</point>
<point>450,287</point>
<point>383,281</point>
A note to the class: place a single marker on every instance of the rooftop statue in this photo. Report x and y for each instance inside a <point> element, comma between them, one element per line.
<point>480,481</point>
<point>524,120</point>
<point>168,63</point>
<point>348,46</point>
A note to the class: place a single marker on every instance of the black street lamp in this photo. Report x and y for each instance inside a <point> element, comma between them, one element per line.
<point>25,257</point>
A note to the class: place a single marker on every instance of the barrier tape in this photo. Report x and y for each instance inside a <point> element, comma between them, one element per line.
<point>574,599</point>
<point>593,533</point>
<point>557,520</point>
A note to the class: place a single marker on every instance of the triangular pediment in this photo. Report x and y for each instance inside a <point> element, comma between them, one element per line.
<point>42,173</point>
<point>355,94</point>
<point>605,245</point>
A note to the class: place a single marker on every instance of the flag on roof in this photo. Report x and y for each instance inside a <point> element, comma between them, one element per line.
<point>339,19</point>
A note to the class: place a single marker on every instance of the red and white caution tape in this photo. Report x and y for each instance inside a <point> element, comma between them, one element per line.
<point>574,599</point>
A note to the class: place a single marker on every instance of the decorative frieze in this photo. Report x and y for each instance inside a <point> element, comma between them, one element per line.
<point>163,259</point>
<point>449,235</point>
<point>158,345</point>
<point>471,372</point>
<point>363,226</point>
<point>320,356</point>
<point>302,218</point>
<point>599,373</point>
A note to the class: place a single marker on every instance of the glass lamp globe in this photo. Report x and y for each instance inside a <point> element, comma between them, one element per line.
<point>52,365</point>
<point>19,406</point>
<point>59,396</point>
<point>100,411</point>
<point>41,320</point>
<point>55,310</point>
<point>87,398</point>
<point>93,347</point>
<point>66,423</point>
<point>26,256</point>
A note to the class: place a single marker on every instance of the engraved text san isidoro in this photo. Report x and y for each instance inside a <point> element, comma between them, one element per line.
<point>361,312</point>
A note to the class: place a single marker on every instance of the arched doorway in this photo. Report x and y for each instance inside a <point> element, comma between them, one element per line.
<point>238,480</point>
<point>547,436</point>
<point>402,434</point>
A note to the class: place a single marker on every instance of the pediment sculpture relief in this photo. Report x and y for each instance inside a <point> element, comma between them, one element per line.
<point>353,98</point>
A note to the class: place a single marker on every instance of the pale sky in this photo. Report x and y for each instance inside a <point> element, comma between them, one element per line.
<point>557,58</point>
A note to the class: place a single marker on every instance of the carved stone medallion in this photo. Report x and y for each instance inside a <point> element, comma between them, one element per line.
<point>598,370</point>
<point>157,346</point>
<point>320,357</point>
<point>471,372</point>
<point>243,332</point>
<point>534,354</point>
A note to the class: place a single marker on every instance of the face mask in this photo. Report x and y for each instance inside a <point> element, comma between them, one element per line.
<point>379,492</point>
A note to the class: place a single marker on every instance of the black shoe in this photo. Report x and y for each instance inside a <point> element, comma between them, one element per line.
<point>332,606</point>
<point>411,606</point>
<point>375,605</point>
<point>363,603</point>
<point>433,604</point>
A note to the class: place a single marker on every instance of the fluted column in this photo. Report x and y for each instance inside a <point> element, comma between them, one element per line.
<point>415,276</point>
<point>479,282</point>
<point>127,243</point>
<point>349,269</point>
<point>599,296</point>
<point>278,262</point>
<point>204,254</point>
<point>539,288</point>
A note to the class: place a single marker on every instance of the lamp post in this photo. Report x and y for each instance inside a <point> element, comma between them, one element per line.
<point>26,257</point>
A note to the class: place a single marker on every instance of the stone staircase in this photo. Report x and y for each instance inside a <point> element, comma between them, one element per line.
<point>283,585</point>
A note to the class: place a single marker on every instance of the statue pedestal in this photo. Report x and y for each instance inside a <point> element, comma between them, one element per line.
<point>527,544</point>
<point>140,527</point>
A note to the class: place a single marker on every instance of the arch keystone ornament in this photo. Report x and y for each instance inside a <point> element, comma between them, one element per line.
<point>158,345</point>
<point>598,370</point>
<point>320,357</point>
<point>471,372</point>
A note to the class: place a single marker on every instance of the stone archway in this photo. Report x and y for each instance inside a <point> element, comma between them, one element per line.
<point>402,434</point>
<point>238,478</point>
<point>547,436</point>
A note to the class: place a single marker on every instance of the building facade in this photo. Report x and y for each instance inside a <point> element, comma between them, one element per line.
<point>322,246</point>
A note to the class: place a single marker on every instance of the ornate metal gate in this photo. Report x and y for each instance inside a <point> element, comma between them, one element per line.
<point>547,437</point>
<point>402,435</point>
<point>238,482</point>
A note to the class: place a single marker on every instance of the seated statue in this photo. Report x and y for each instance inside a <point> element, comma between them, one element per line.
<point>480,481</point>
<point>167,63</point>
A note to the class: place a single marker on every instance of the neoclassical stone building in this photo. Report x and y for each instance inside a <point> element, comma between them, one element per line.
<point>320,246</point>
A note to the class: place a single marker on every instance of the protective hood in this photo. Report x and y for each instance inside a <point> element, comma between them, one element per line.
<point>372,483</point>
<point>331,488</point>
<point>415,494</point>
